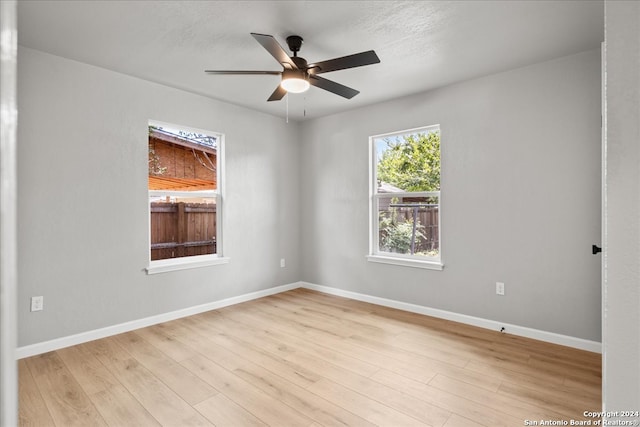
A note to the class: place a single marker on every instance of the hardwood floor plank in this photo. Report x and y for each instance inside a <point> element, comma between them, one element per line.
<point>300,398</point>
<point>119,408</point>
<point>569,405</point>
<point>503,373</point>
<point>542,348</point>
<point>257,319</point>
<point>261,335</point>
<point>32,410</point>
<point>116,405</point>
<point>458,421</point>
<point>508,404</point>
<point>297,374</point>
<point>582,394</point>
<point>223,412</point>
<point>302,322</point>
<point>559,366</point>
<point>179,379</point>
<point>92,375</point>
<point>526,371</point>
<point>67,402</point>
<point>481,350</point>
<point>362,405</point>
<point>461,406</point>
<point>190,339</point>
<point>318,409</point>
<point>165,405</point>
<point>402,354</point>
<point>165,342</point>
<point>264,407</point>
<point>284,345</point>
<point>589,384</point>
<point>336,321</point>
<point>350,309</point>
<point>390,396</point>
<point>302,358</point>
<point>336,344</point>
<point>407,352</point>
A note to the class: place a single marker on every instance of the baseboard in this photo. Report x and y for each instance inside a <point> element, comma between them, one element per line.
<point>58,343</point>
<point>522,331</point>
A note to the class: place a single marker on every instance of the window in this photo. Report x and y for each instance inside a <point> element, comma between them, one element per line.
<point>185,197</point>
<point>405,198</point>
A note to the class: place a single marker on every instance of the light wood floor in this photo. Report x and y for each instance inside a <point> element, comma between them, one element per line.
<point>303,358</point>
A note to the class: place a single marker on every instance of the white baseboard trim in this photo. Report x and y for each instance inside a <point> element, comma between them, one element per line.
<point>58,343</point>
<point>522,331</point>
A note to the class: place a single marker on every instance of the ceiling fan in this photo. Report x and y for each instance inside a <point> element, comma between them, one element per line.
<point>298,75</point>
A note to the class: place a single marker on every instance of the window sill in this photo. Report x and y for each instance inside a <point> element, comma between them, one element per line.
<point>174,264</point>
<point>406,262</point>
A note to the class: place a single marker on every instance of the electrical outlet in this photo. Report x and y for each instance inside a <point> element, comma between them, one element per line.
<point>282,263</point>
<point>37,303</point>
<point>499,288</point>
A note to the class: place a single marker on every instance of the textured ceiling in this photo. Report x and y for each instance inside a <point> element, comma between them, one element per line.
<point>421,44</point>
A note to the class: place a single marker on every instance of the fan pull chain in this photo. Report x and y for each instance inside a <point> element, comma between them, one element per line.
<point>287,102</point>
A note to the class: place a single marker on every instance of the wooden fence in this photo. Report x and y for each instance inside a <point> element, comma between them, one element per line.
<point>182,229</point>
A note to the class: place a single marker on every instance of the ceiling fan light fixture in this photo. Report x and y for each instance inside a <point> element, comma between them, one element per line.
<point>297,75</point>
<point>294,84</point>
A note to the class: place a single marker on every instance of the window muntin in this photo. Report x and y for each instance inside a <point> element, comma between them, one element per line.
<point>405,195</point>
<point>185,198</point>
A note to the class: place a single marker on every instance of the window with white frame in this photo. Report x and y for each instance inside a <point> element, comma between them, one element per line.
<point>405,198</point>
<point>185,197</point>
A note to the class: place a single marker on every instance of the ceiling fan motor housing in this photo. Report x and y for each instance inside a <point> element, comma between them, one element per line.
<point>294,43</point>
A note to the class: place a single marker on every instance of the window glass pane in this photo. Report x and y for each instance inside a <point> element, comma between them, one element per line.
<point>182,226</point>
<point>183,197</point>
<point>182,160</point>
<point>408,162</point>
<point>409,225</point>
<point>406,194</point>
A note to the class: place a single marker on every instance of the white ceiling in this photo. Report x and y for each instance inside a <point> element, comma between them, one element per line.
<point>421,44</point>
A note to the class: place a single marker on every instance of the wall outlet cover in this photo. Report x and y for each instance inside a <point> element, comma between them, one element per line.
<point>37,303</point>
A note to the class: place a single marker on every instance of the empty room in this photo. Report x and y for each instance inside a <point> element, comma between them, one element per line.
<point>320,213</point>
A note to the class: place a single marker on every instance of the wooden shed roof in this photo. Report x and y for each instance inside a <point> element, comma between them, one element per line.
<point>180,184</point>
<point>182,141</point>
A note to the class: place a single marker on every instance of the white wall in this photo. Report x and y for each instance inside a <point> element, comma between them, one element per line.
<point>621,388</point>
<point>520,198</point>
<point>83,216</point>
<point>521,194</point>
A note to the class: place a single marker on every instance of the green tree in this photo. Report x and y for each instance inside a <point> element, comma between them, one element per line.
<point>411,162</point>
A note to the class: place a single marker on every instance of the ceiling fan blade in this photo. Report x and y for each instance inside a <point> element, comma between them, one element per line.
<point>274,73</point>
<point>351,61</point>
<point>332,87</point>
<point>277,94</point>
<point>274,48</point>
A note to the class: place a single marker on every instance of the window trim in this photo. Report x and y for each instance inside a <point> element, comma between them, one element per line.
<point>185,263</point>
<point>406,262</point>
<point>375,254</point>
<point>195,261</point>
